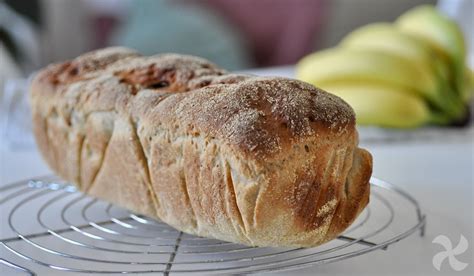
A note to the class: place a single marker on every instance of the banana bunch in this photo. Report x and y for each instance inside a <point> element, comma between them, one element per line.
<point>406,74</point>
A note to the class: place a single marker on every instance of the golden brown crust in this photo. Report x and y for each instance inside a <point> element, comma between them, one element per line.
<point>260,161</point>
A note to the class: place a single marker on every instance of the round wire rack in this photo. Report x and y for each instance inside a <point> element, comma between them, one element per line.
<point>47,226</point>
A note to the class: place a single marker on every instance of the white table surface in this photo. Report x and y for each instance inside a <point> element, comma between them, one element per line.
<point>439,174</point>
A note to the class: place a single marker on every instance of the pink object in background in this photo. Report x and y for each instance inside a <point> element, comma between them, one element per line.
<point>104,25</point>
<point>278,31</point>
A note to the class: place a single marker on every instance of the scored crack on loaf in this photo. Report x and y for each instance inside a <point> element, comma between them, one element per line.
<point>263,161</point>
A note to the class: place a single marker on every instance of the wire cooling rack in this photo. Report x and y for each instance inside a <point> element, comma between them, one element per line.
<point>48,227</point>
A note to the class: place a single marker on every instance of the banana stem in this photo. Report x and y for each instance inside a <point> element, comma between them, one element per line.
<point>438,119</point>
<point>449,102</point>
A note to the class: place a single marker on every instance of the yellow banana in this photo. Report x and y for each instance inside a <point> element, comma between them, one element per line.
<point>360,66</point>
<point>386,37</point>
<point>383,105</point>
<point>442,33</point>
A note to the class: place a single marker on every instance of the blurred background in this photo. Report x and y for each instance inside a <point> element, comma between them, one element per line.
<point>239,35</point>
<point>235,34</point>
<point>266,37</point>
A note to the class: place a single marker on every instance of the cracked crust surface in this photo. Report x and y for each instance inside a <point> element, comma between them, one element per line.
<point>259,161</point>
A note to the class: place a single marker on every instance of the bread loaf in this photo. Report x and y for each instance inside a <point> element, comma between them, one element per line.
<point>252,160</point>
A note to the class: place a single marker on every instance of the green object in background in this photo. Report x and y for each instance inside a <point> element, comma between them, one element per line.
<point>182,27</point>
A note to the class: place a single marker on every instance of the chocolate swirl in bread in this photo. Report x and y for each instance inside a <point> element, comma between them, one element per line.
<point>253,160</point>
